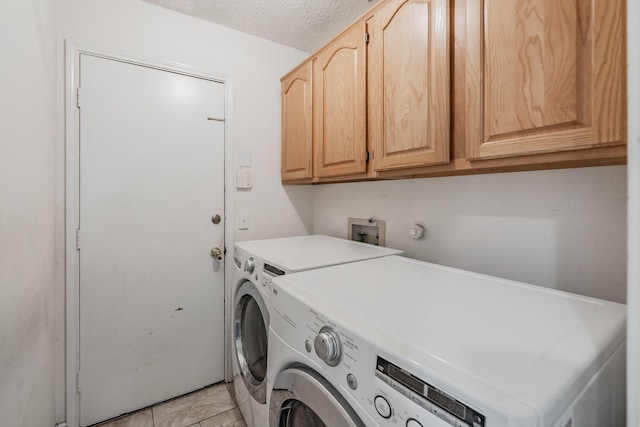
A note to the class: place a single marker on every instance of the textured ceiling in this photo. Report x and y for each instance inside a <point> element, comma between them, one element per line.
<point>302,24</point>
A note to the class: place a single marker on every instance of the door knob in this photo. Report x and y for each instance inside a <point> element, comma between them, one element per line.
<point>216,253</point>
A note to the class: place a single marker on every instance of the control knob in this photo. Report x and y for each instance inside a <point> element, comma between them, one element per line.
<point>328,347</point>
<point>249,265</point>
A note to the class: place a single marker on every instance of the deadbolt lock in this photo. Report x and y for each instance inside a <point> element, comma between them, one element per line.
<point>216,219</point>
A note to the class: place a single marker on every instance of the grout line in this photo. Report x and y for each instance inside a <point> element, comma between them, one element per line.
<point>220,414</point>
<point>151,408</point>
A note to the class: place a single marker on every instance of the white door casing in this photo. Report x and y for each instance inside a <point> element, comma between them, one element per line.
<point>151,176</point>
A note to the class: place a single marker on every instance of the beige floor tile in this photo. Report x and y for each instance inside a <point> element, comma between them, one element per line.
<point>232,392</point>
<point>141,418</point>
<point>232,418</point>
<point>193,408</point>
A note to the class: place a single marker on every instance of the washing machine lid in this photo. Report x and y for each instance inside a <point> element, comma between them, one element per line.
<point>483,334</point>
<point>300,253</point>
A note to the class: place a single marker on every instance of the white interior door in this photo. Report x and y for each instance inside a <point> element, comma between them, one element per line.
<point>151,178</point>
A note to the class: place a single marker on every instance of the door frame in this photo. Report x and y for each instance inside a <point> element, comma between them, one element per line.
<point>72,197</point>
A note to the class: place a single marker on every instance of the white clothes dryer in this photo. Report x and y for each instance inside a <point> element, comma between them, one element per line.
<point>404,343</point>
<point>256,264</point>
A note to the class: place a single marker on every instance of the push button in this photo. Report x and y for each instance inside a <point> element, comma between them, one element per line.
<point>382,406</point>
<point>405,392</point>
<point>422,402</point>
<point>352,381</point>
<point>443,415</point>
<point>383,377</point>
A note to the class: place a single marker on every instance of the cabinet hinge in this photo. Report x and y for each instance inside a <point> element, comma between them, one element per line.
<point>78,239</point>
<point>78,381</point>
<point>78,97</point>
<point>366,38</point>
<point>366,156</point>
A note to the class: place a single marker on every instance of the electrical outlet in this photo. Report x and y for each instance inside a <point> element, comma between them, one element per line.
<point>243,220</point>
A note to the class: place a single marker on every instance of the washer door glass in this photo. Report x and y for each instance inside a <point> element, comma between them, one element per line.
<point>251,321</point>
<point>303,398</point>
<point>295,413</point>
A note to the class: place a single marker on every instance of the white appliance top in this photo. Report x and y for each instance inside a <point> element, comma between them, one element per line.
<point>484,335</point>
<point>302,253</point>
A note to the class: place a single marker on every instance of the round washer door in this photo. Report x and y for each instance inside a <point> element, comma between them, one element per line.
<point>302,398</point>
<point>250,336</point>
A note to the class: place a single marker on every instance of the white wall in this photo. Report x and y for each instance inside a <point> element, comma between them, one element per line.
<point>27,209</point>
<point>564,229</point>
<point>255,67</point>
<point>633,329</point>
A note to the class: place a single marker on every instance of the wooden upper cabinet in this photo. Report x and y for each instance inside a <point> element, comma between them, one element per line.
<point>459,87</point>
<point>543,76</point>
<point>408,84</point>
<point>339,106</point>
<point>297,124</point>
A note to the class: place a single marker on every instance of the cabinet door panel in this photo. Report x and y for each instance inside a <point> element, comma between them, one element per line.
<point>339,103</point>
<point>552,73</point>
<point>296,125</point>
<point>531,66</point>
<point>340,106</point>
<point>409,84</point>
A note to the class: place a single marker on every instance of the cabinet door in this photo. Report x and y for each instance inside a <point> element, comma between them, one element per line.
<point>544,76</point>
<point>339,104</point>
<point>296,125</point>
<point>409,84</point>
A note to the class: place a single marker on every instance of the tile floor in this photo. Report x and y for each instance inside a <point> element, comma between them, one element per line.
<point>213,406</point>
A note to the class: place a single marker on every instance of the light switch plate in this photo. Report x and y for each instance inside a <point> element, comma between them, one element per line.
<point>244,158</point>
<point>243,179</point>
<point>243,220</point>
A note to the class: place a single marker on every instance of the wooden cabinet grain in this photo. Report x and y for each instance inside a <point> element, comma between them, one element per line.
<point>544,76</point>
<point>453,87</point>
<point>408,84</point>
<point>297,124</point>
<point>339,106</point>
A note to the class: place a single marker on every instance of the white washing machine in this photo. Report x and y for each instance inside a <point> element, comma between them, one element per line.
<point>256,264</point>
<point>398,342</point>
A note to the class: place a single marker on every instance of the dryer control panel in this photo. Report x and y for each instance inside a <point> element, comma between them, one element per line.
<point>429,397</point>
<point>253,268</point>
<point>388,393</point>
